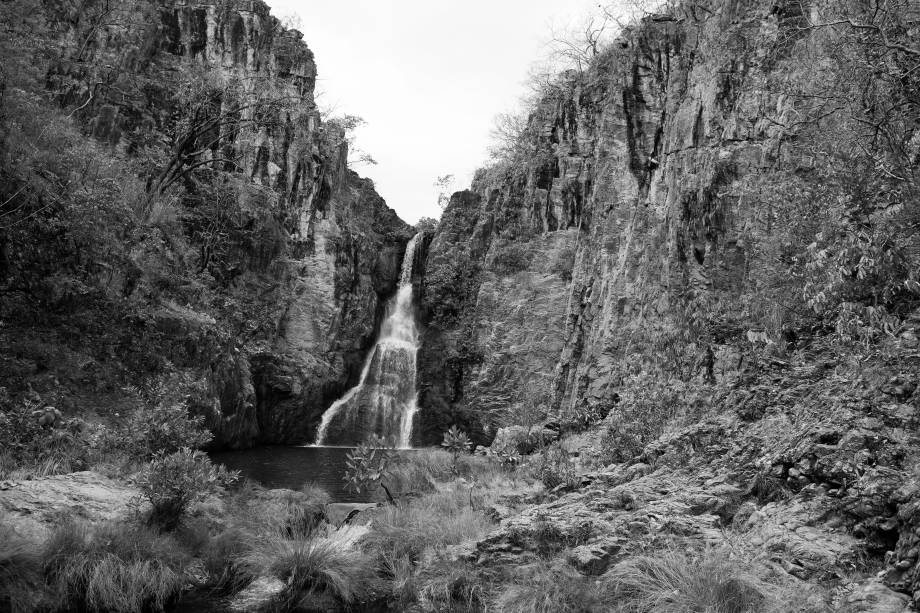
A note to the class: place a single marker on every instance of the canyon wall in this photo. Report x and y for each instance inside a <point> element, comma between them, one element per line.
<point>657,217</point>
<point>263,262</point>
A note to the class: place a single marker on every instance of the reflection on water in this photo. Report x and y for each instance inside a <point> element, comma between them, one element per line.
<point>293,467</point>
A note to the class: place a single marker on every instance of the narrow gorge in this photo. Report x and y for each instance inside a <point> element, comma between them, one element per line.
<point>662,354</point>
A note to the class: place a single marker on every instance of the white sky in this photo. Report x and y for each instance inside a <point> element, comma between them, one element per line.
<point>428,76</point>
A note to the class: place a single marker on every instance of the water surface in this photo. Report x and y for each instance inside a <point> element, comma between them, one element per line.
<point>293,467</point>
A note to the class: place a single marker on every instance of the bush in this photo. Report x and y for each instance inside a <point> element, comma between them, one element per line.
<point>114,567</point>
<point>556,467</point>
<point>173,481</point>
<point>21,581</point>
<point>368,464</point>
<point>511,258</point>
<point>456,442</point>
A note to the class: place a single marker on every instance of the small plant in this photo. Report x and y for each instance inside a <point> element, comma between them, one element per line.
<point>557,468</point>
<point>174,481</point>
<point>457,443</point>
<point>368,464</point>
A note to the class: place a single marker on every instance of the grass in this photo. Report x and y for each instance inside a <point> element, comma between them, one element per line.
<point>548,589</point>
<point>21,578</point>
<point>673,582</point>
<point>327,565</point>
<point>115,567</point>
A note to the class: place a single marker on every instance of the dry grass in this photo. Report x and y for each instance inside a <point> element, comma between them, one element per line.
<point>328,565</point>
<point>21,580</point>
<point>114,567</point>
<point>673,582</point>
<point>547,589</point>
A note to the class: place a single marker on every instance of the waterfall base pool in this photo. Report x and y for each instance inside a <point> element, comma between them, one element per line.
<point>293,467</point>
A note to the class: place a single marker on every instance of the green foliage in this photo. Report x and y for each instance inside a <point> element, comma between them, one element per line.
<point>174,481</point>
<point>457,443</point>
<point>647,406</point>
<point>449,285</point>
<point>426,224</point>
<point>511,258</point>
<point>368,464</point>
<point>33,449</point>
<point>557,467</point>
<point>113,567</point>
<point>165,428</point>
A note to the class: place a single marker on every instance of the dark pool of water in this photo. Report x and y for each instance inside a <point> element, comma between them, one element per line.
<point>293,467</point>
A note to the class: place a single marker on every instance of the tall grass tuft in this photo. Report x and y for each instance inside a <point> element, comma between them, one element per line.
<point>113,567</point>
<point>547,589</point>
<point>21,581</point>
<point>312,565</point>
<point>675,583</point>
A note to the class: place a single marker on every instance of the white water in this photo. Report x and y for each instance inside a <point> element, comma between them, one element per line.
<point>384,402</point>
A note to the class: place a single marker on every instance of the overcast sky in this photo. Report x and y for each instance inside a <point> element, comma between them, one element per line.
<point>428,76</point>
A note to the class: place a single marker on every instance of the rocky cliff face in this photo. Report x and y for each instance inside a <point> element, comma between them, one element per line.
<point>650,252</point>
<point>646,223</point>
<point>266,262</point>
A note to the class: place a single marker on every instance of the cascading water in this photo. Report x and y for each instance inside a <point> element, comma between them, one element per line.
<point>384,402</point>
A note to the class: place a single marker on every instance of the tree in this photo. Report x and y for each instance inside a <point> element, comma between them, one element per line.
<point>426,224</point>
<point>444,183</point>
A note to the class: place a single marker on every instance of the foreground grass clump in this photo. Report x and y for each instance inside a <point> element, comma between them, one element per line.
<point>549,589</point>
<point>21,580</point>
<point>114,567</point>
<point>312,566</point>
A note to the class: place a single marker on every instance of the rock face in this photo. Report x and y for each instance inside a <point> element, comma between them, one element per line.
<point>645,206</point>
<point>285,256</point>
<point>661,221</point>
<point>33,507</point>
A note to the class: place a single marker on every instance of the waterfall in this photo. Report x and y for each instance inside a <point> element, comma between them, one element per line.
<point>384,402</point>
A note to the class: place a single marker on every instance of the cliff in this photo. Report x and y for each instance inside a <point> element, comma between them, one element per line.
<point>694,263</point>
<point>248,266</point>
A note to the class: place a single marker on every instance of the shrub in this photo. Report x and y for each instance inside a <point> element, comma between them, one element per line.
<point>173,481</point>
<point>33,450</point>
<point>556,468</point>
<point>457,443</point>
<point>511,258</point>
<point>21,580</point>
<point>166,428</point>
<point>113,567</point>
<point>368,464</point>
